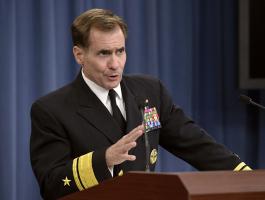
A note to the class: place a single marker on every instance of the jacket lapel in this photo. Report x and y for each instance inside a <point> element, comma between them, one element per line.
<point>95,113</point>
<point>134,119</point>
<point>133,114</point>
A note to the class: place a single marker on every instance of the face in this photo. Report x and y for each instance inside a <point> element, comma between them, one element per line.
<point>103,61</point>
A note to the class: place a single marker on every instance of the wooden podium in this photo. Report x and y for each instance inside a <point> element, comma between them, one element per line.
<point>216,185</point>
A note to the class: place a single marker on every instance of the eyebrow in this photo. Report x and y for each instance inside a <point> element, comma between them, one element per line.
<point>122,48</point>
<point>108,51</point>
<point>104,51</point>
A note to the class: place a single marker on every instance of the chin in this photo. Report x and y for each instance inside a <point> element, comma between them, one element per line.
<point>111,86</point>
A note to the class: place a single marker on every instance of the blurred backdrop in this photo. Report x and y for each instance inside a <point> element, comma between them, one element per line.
<point>191,45</point>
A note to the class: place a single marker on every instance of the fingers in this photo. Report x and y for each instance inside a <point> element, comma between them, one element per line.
<point>127,142</point>
<point>129,157</point>
<point>127,147</point>
<point>134,134</point>
<point>118,152</point>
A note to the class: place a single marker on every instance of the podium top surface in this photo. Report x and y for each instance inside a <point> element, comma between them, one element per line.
<point>224,182</point>
<point>218,185</point>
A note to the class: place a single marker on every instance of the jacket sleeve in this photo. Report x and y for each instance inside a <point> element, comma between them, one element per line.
<point>57,171</point>
<point>185,139</point>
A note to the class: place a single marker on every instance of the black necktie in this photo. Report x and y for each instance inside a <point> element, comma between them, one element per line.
<point>116,113</point>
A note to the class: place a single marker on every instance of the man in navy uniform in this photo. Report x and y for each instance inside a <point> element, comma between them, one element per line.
<point>91,129</point>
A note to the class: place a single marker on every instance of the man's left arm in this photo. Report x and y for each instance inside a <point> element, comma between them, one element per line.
<point>185,139</point>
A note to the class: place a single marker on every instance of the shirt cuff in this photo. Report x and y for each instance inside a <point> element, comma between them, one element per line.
<point>111,170</point>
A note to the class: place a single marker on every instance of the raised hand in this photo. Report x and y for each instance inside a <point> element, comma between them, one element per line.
<point>118,152</point>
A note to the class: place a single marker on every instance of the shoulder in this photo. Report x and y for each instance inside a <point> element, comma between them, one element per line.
<point>61,99</point>
<point>58,94</point>
<point>65,93</point>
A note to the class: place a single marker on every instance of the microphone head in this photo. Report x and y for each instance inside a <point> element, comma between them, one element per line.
<point>245,98</point>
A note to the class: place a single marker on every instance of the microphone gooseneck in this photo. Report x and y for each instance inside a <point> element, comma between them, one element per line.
<point>142,104</point>
<point>248,100</point>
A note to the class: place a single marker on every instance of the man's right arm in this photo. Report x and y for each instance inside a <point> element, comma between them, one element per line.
<point>57,171</point>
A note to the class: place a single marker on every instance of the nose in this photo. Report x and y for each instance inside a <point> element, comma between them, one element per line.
<point>114,62</point>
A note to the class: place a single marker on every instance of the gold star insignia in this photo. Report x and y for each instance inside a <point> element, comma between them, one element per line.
<point>66,181</point>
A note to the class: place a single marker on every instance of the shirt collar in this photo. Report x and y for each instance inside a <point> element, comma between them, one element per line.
<point>99,91</point>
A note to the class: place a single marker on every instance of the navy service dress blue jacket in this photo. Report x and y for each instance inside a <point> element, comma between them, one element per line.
<point>71,130</point>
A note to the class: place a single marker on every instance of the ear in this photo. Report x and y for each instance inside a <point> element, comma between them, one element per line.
<point>79,55</point>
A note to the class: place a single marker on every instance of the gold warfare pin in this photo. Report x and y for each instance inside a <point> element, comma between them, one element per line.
<point>153,156</point>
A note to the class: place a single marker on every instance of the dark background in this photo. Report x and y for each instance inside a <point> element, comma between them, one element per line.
<point>257,39</point>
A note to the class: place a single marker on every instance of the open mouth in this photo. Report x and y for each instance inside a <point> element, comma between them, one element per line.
<point>113,77</point>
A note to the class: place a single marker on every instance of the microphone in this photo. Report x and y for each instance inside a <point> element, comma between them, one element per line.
<point>248,100</point>
<point>141,105</point>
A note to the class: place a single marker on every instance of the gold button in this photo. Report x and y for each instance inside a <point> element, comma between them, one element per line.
<point>120,173</point>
